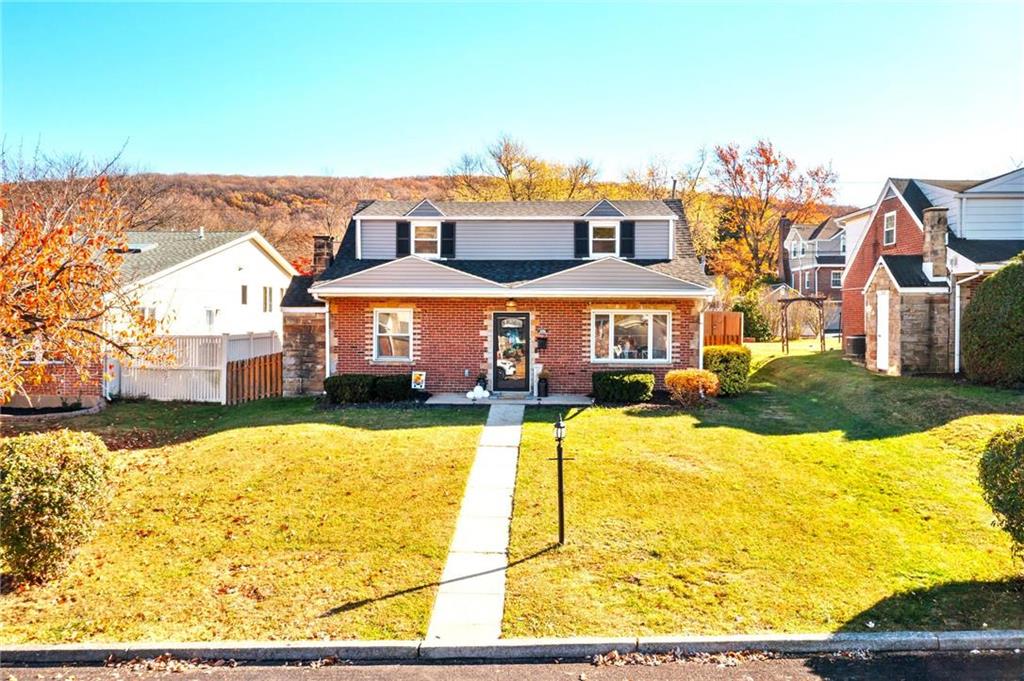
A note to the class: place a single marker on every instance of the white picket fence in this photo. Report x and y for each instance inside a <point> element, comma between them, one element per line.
<point>199,372</point>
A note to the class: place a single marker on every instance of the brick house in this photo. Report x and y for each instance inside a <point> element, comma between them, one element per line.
<point>499,289</point>
<point>926,247</point>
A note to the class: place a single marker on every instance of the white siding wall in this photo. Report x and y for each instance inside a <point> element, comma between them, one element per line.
<point>513,240</point>
<point>993,218</point>
<point>215,282</point>
<point>652,239</point>
<point>944,198</point>
<point>378,238</point>
<point>1011,182</point>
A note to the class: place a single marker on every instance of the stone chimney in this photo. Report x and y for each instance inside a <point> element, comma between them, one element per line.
<point>936,227</point>
<point>323,254</point>
<point>785,224</point>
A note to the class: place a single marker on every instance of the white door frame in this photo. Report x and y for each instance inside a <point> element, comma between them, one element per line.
<point>882,330</point>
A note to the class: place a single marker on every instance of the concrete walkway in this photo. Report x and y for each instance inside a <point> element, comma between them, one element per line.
<point>471,598</point>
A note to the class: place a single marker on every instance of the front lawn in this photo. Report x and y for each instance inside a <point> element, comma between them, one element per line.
<point>267,520</point>
<point>826,499</point>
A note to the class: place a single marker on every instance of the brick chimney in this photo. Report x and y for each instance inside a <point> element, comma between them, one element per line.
<point>936,227</point>
<point>323,254</point>
<point>785,224</point>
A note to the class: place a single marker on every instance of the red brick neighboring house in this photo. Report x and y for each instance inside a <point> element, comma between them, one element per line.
<point>501,289</point>
<point>927,246</point>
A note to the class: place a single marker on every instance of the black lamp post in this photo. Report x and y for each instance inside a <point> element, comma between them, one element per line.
<point>559,436</point>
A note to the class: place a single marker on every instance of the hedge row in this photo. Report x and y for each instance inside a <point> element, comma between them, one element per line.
<point>356,388</point>
<point>623,386</point>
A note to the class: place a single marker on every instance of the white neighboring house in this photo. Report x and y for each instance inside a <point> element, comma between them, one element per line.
<point>202,283</point>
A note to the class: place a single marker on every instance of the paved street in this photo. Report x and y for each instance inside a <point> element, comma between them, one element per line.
<point>947,667</point>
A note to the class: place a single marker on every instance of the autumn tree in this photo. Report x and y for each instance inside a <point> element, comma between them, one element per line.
<point>756,189</point>
<point>62,243</point>
<point>508,171</point>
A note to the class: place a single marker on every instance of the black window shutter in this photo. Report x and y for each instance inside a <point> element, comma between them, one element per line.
<point>581,239</point>
<point>402,238</point>
<point>627,239</point>
<point>447,239</point>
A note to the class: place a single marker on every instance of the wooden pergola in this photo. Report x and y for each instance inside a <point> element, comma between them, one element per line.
<point>817,301</point>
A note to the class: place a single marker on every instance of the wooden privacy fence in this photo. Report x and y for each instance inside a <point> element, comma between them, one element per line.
<point>723,328</point>
<point>254,378</point>
<point>203,369</point>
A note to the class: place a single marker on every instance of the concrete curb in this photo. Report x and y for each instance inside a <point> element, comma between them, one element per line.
<point>513,649</point>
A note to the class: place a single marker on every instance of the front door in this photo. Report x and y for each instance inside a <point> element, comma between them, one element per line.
<point>511,351</point>
<point>882,331</point>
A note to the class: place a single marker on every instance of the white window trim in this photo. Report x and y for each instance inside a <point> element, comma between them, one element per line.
<point>604,223</point>
<point>842,245</point>
<point>376,335</point>
<point>807,280</point>
<point>436,224</point>
<point>835,281</point>
<point>885,219</point>
<point>594,359</point>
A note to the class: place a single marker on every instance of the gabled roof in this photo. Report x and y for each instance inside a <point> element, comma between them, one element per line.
<point>605,209</point>
<point>607,273</point>
<point>411,274</point>
<point>160,252</point>
<point>908,272</point>
<point>514,209</point>
<point>425,209</point>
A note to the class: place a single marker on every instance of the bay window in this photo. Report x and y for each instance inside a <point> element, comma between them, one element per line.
<point>630,336</point>
<point>392,334</point>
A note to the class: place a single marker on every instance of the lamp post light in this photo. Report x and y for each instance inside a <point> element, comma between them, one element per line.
<point>559,436</point>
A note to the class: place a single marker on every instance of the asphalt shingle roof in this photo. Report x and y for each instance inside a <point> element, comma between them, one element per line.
<point>163,250</point>
<point>908,270</point>
<point>987,251</point>
<point>297,293</point>
<point>499,209</point>
<point>684,266</point>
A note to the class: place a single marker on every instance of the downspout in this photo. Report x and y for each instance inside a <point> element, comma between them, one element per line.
<point>700,335</point>
<point>956,319</point>
<point>327,335</point>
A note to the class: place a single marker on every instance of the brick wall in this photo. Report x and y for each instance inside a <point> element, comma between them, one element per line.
<point>909,241</point>
<point>65,385</point>
<point>303,353</point>
<point>452,337</point>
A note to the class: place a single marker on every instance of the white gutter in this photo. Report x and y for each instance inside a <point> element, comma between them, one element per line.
<point>324,293</point>
<point>956,320</point>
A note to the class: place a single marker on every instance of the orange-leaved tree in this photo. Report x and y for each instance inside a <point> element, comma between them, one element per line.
<point>63,239</point>
<point>756,189</point>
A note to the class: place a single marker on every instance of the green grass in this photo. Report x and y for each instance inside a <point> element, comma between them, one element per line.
<point>267,520</point>
<point>826,499</point>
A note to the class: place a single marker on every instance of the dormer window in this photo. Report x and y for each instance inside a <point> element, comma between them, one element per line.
<point>426,239</point>
<point>604,239</point>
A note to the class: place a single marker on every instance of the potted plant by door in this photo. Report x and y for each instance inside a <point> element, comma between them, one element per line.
<point>481,380</point>
<point>542,383</point>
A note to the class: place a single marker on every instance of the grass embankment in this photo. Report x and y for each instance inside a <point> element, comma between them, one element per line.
<point>826,499</point>
<point>272,519</point>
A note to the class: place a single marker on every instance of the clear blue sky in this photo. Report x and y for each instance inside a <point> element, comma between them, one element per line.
<point>919,89</point>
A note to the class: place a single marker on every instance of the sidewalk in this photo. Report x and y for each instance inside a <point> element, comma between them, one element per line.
<point>471,599</point>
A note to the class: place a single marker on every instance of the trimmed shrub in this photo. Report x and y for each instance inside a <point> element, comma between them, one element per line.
<point>52,487</point>
<point>755,325</point>
<point>690,387</point>
<point>731,363</point>
<point>1001,474</point>
<point>393,388</point>
<point>623,386</point>
<point>992,329</point>
<point>349,388</point>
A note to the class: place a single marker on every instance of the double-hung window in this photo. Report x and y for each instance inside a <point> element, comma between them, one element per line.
<point>426,239</point>
<point>630,336</point>
<point>604,239</point>
<point>268,298</point>
<point>392,334</point>
<point>889,231</point>
<point>807,281</point>
<point>837,278</point>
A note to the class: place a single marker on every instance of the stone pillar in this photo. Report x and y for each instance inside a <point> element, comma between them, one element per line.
<point>304,355</point>
<point>936,226</point>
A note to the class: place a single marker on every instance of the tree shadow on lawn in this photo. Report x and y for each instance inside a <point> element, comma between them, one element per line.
<point>954,606</point>
<point>355,605</point>
<point>140,424</point>
<point>823,393</point>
